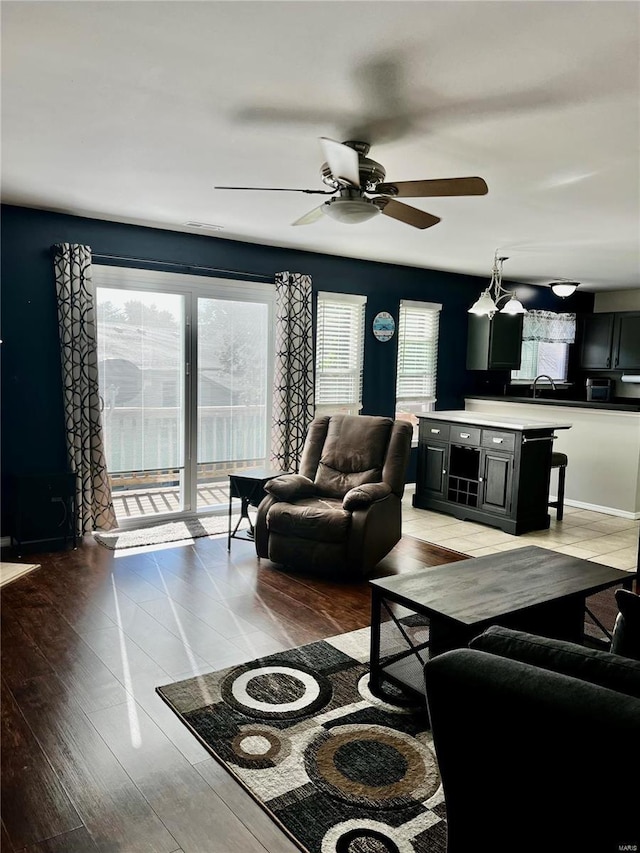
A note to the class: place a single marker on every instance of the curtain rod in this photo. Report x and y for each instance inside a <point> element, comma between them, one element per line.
<point>97,255</point>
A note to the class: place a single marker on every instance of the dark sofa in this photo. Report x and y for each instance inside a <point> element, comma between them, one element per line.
<point>538,743</point>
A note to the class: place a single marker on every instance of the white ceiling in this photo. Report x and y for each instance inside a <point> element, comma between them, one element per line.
<point>133,111</point>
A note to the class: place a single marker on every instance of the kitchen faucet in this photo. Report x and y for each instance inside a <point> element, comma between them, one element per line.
<point>542,376</point>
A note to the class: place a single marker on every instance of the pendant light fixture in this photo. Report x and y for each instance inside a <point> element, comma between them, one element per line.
<point>489,300</point>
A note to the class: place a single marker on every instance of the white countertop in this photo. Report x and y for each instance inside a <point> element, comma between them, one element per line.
<point>484,419</point>
<point>631,407</point>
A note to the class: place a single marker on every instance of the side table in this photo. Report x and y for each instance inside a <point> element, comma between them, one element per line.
<point>248,486</point>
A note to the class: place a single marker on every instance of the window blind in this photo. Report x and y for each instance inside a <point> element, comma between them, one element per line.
<point>417,351</point>
<point>339,353</point>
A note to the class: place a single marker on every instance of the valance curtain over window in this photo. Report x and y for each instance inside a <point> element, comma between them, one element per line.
<point>78,353</point>
<point>549,327</point>
<point>293,392</point>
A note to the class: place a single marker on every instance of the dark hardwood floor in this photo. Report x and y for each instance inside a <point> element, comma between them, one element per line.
<point>92,758</point>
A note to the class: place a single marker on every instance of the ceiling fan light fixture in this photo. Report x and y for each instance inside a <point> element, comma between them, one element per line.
<point>564,288</point>
<point>350,210</point>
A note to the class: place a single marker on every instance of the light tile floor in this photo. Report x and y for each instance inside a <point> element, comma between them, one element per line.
<point>593,536</point>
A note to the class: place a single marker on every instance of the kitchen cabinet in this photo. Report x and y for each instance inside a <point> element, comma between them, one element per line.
<point>494,343</point>
<point>596,341</point>
<point>626,353</point>
<point>478,472</point>
<point>610,341</point>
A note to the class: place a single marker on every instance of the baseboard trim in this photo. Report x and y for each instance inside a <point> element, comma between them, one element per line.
<point>605,510</point>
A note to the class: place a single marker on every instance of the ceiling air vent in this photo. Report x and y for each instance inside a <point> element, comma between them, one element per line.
<point>204,225</point>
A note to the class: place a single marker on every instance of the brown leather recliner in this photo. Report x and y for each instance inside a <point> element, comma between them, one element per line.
<point>342,512</point>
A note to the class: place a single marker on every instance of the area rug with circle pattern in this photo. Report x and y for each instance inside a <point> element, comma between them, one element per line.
<point>338,769</point>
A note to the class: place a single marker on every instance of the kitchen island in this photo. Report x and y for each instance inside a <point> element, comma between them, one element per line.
<point>603,449</point>
<point>489,467</point>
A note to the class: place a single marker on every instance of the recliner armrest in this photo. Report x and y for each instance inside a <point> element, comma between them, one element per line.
<point>290,487</point>
<point>361,497</point>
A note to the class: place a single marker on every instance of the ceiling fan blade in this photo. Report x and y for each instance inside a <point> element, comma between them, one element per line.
<point>342,160</point>
<point>311,216</point>
<point>438,187</point>
<point>404,213</point>
<point>280,190</point>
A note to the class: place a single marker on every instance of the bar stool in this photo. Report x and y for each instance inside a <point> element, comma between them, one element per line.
<point>559,461</point>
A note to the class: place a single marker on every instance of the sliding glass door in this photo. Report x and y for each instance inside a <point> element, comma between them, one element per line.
<point>141,357</point>
<point>185,378</point>
<point>232,391</point>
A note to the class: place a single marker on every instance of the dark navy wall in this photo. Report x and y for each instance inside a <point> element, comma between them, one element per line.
<point>32,418</point>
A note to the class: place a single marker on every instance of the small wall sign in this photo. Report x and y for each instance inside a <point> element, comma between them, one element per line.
<point>384,326</point>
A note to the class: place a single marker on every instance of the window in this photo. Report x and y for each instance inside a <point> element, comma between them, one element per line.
<point>339,353</point>
<point>545,345</point>
<point>542,357</point>
<point>417,360</point>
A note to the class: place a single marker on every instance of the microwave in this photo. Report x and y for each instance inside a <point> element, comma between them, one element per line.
<point>599,389</point>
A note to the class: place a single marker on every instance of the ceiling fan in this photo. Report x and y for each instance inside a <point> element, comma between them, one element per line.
<point>353,177</point>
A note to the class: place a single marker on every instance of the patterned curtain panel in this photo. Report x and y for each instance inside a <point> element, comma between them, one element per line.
<point>293,402</point>
<point>549,327</point>
<point>78,351</point>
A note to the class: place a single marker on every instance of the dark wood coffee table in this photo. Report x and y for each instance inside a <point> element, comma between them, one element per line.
<point>529,589</point>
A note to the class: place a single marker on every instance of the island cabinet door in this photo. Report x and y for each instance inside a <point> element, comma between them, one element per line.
<point>496,481</point>
<point>433,462</point>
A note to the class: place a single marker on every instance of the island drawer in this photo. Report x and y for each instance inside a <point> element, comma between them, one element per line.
<point>464,435</point>
<point>434,430</point>
<point>498,440</point>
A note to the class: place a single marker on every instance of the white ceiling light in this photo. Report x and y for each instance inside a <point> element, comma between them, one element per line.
<point>484,304</point>
<point>350,210</point>
<point>490,299</point>
<point>513,306</point>
<point>564,288</point>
